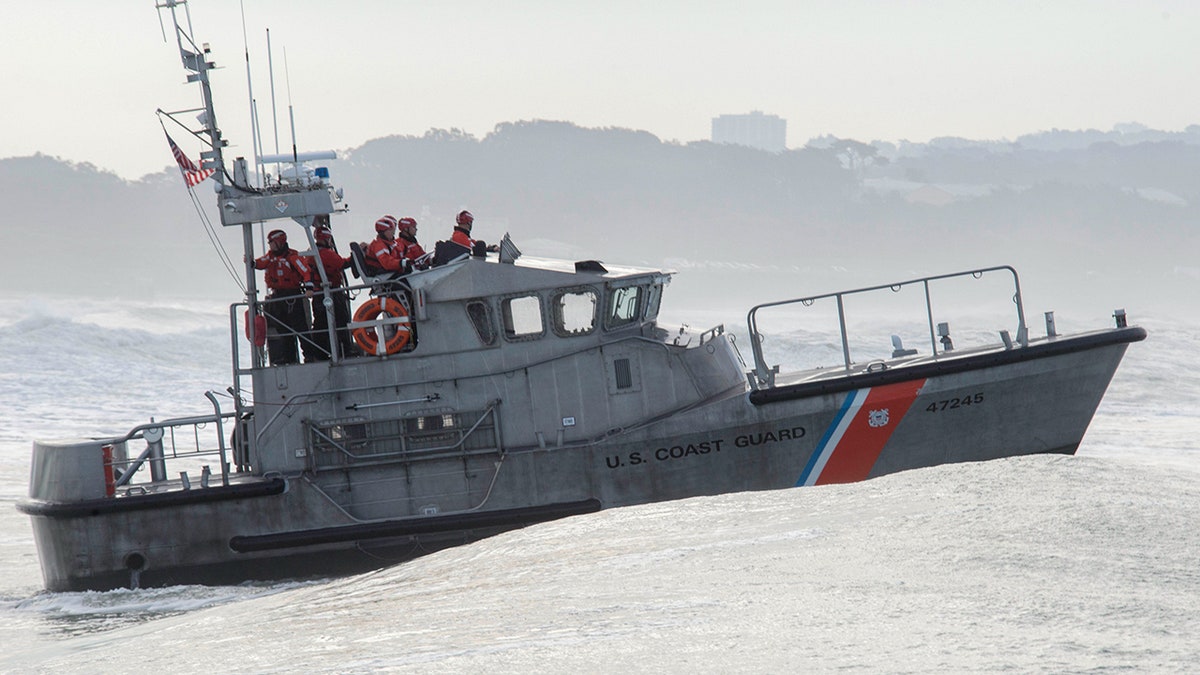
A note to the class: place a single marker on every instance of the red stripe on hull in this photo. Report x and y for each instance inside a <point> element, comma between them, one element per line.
<point>869,431</point>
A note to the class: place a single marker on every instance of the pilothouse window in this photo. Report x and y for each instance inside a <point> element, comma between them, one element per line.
<point>575,311</point>
<point>523,317</point>
<point>481,318</point>
<point>653,299</point>
<point>624,305</point>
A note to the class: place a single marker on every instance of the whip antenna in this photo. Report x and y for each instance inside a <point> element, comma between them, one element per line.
<point>255,141</point>
<point>274,111</point>
<point>287,76</point>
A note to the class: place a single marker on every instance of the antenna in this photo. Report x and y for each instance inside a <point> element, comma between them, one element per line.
<point>250,93</point>
<point>162,29</point>
<point>297,174</point>
<point>171,5</point>
<point>187,12</point>
<point>258,150</point>
<point>274,114</point>
<point>195,61</point>
<point>259,167</point>
<point>291,114</point>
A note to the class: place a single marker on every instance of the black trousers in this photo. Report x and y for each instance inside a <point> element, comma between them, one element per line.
<point>287,320</point>
<point>320,324</point>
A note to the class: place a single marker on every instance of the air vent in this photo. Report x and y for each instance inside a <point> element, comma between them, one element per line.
<point>623,374</point>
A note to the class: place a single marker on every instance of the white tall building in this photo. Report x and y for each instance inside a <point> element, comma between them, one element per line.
<point>756,130</point>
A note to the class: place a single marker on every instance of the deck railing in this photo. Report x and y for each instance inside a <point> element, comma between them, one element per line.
<point>765,375</point>
<point>182,438</point>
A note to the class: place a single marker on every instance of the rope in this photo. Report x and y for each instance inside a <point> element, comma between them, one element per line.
<point>222,254</point>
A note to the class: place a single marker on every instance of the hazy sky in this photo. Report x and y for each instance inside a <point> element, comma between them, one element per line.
<point>82,78</point>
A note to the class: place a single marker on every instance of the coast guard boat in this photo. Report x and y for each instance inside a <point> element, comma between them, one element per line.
<point>492,390</point>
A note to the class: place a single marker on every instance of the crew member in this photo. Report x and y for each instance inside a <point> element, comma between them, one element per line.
<point>384,253</point>
<point>462,233</point>
<point>333,263</point>
<point>286,308</point>
<point>406,238</point>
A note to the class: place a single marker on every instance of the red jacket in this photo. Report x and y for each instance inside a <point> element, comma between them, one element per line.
<point>383,255</point>
<point>333,263</point>
<point>285,272</point>
<point>409,248</point>
<point>461,238</point>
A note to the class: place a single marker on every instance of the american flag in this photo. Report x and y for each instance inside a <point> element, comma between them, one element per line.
<point>192,174</point>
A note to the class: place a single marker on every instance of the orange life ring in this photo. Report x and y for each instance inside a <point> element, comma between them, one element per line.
<point>367,337</point>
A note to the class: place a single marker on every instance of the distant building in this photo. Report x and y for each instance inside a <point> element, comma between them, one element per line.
<point>756,130</point>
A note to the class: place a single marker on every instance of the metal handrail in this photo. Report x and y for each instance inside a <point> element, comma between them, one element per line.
<point>766,375</point>
<point>153,452</point>
<point>424,453</point>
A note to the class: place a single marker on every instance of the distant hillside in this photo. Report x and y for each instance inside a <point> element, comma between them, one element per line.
<point>83,230</point>
<point>613,191</point>
<point>621,195</point>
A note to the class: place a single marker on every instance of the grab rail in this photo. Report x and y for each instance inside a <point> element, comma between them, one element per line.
<point>765,375</point>
<point>320,439</point>
<point>160,434</point>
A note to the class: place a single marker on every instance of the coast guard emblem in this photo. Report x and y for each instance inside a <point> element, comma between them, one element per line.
<point>878,418</point>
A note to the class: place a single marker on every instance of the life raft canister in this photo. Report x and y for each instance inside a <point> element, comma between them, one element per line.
<point>367,337</point>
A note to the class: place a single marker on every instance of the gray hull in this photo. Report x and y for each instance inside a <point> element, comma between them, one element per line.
<point>343,515</point>
<point>490,390</point>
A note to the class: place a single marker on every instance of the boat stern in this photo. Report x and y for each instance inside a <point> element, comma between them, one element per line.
<point>63,473</point>
<point>74,470</point>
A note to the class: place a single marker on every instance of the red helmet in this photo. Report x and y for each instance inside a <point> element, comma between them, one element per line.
<point>465,218</point>
<point>277,235</point>
<point>406,223</point>
<point>385,223</point>
<point>322,234</point>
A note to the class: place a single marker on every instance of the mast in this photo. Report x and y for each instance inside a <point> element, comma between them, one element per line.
<point>299,198</point>
<point>302,198</point>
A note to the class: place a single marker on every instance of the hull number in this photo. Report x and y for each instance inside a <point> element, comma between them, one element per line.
<point>956,402</point>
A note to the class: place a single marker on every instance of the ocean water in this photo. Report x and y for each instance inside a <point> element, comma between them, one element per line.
<point>1088,563</point>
